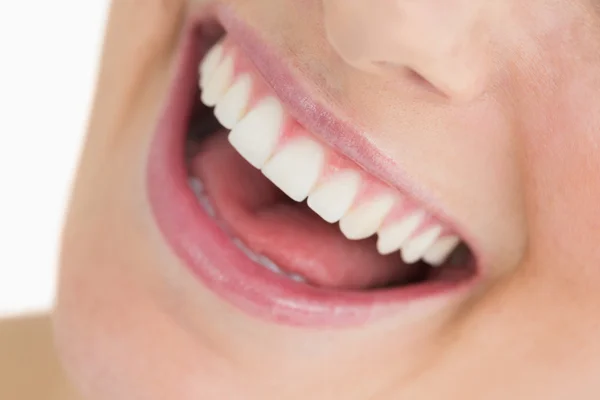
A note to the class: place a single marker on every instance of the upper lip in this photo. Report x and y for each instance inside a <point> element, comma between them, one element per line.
<point>323,120</point>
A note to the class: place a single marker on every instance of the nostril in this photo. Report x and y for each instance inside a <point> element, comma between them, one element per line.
<point>424,83</point>
<point>458,82</point>
<point>462,81</point>
<point>438,47</point>
<point>409,75</point>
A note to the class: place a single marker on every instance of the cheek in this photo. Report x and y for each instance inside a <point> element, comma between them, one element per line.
<point>562,160</point>
<point>98,297</point>
<point>109,329</point>
<point>114,337</point>
<point>477,172</point>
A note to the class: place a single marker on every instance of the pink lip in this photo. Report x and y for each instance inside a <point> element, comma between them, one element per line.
<point>210,254</point>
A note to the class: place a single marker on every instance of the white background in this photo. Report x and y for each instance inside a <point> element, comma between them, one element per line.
<point>48,58</point>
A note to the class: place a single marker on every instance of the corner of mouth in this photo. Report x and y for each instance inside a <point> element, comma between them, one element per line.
<point>185,228</point>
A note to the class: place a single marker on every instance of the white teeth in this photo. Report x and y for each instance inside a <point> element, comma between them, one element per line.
<point>196,185</point>
<point>440,250</point>
<point>414,249</point>
<point>297,278</point>
<point>257,134</point>
<point>209,63</point>
<point>262,260</point>
<point>392,237</point>
<point>197,188</point>
<point>231,108</point>
<point>218,83</point>
<point>364,220</point>
<point>333,199</point>
<point>296,168</point>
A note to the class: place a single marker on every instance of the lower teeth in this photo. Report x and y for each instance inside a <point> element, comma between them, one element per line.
<point>197,188</point>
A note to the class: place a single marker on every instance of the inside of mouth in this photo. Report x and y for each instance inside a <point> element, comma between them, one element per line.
<point>285,236</point>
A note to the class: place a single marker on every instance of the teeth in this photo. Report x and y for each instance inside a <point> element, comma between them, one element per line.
<point>209,63</point>
<point>231,108</point>
<point>392,237</point>
<point>257,134</point>
<point>440,250</point>
<point>262,260</point>
<point>197,186</point>
<point>297,278</point>
<point>296,168</point>
<point>266,262</point>
<point>218,83</point>
<point>415,248</point>
<point>364,220</point>
<point>334,198</point>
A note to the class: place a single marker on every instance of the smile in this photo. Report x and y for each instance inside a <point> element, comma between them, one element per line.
<point>278,219</point>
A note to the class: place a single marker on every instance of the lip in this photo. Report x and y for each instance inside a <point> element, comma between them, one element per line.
<point>329,125</point>
<point>210,254</point>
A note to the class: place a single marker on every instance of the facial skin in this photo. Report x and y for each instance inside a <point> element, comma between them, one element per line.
<point>501,129</point>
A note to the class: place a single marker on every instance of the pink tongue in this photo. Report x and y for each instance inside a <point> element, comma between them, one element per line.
<point>288,233</point>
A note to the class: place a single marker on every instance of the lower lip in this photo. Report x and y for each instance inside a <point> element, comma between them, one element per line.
<point>222,267</point>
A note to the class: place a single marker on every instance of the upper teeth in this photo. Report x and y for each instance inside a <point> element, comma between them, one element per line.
<point>256,134</point>
<point>220,80</point>
<point>365,218</point>
<point>296,168</point>
<point>334,197</point>
<point>232,106</point>
<point>303,167</point>
<point>393,236</point>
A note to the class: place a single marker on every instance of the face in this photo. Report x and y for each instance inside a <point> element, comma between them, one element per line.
<point>336,199</point>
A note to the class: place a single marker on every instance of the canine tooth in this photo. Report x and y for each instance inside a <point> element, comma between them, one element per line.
<point>333,199</point>
<point>440,250</point>
<point>392,237</point>
<point>296,168</point>
<point>365,219</point>
<point>209,63</point>
<point>230,109</point>
<point>415,248</point>
<point>218,83</point>
<point>256,135</point>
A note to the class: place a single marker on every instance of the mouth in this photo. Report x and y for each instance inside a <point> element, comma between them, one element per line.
<point>276,218</point>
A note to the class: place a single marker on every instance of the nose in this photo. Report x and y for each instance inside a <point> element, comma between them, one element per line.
<point>446,42</point>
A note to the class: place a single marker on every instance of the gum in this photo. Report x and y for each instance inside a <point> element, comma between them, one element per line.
<point>334,162</point>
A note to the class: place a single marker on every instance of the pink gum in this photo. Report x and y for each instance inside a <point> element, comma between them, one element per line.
<point>334,162</point>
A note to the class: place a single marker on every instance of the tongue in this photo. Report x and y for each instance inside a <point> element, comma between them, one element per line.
<point>289,233</point>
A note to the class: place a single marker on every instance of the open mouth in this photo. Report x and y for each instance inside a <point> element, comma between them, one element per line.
<point>275,219</point>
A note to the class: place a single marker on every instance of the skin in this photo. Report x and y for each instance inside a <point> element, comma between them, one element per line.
<point>506,103</point>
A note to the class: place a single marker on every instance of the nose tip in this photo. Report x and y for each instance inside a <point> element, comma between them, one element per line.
<point>443,45</point>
